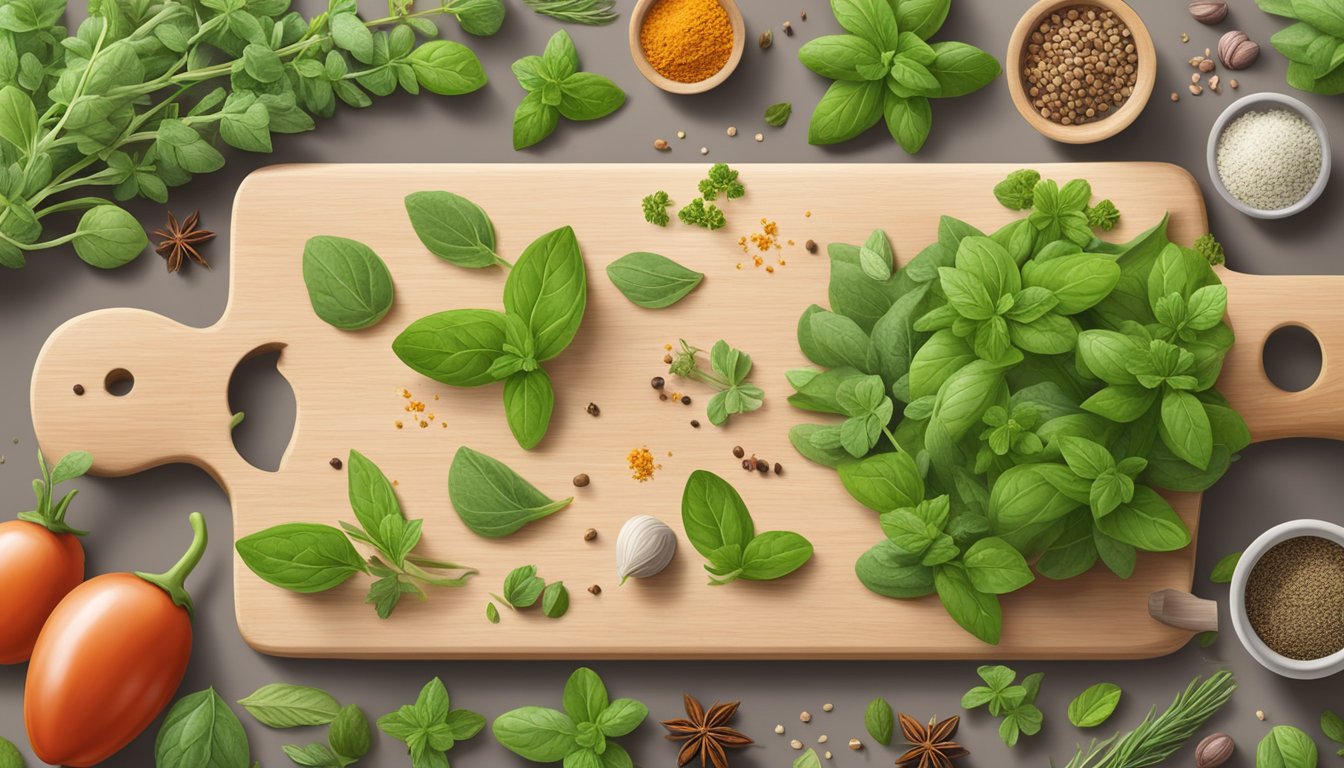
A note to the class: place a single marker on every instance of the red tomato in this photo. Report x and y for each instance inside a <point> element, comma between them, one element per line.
<point>108,661</point>
<point>37,569</point>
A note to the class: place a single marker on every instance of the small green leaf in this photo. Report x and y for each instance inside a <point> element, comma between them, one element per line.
<point>348,285</point>
<point>777,115</point>
<point>555,600</point>
<point>1286,747</point>
<point>652,281</point>
<point>200,730</point>
<point>349,734</point>
<point>1094,706</point>
<point>879,720</point>
<point>108,237</point>
<point>1223,569</point>
<point>279,705</point>
<point>491,613</point>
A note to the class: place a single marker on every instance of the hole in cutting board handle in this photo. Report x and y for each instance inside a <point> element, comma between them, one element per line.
<point>258,390</point>
<point>1292,358</point>
<point>118,382</point>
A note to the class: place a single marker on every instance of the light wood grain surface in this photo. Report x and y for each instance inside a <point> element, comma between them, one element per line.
<point>346,387</point>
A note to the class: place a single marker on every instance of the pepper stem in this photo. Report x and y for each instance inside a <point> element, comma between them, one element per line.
<point>173,581</point>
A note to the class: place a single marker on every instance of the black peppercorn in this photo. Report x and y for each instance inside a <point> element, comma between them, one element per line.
<point>811,246</point>
<point>779,470</point>
<point>593,410</point>
<point>748,464</point>
<point>761,466</point>
<point>738,452</point>
<point>695,423</point>
<point>79,389</point>
<point>685,399</point>
<point>657,382</point>
<point>788,29</point>
<point>335,463</point>
<point>595,589</point>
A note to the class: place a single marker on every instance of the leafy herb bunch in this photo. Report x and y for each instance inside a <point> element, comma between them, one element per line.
<point>1313,43</point>
<point>545,295</point>
<point>885,69</point>
<point>310,557</point>
<point>584,734</point>
<point>1016,396</point>
<point>556,88</point>
<point>121,103</point>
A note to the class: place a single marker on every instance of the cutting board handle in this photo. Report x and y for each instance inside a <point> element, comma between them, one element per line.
<point>176,409</point>
<point>1259,305</point>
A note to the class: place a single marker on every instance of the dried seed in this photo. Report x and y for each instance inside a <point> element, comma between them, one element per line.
<point>732,130</point>
<point>779,470</point>
<point>590,534</point>
<point>335,463</point>
<point>811,246</point>
<point>581,481</point>
<point>1175,96</point>
<point>762,467</point>
<point>1235,85</point>
<point>805,716</point>
<point>779,728</point>
<point>685,399</point>
<point>657,382</point>
<point>827,707</point>
<point>79,389</point>
<point>766,40</point>
<point>855,744</point>
<point>823,738</point>
<point>1185,38</point>
<point>1213,83</point>
<point>1259,714</point>
<point>828,754</point>
<point>1206,65</point>
<point>738,452</point>
<point>695,423</point>
<point>1194,78</point>
<point>748,464</point>
<point>1196,90</point>
<point>802,15</point>
<point>661,145</point>
<point>593,410</point>
<point>667,359</point>
<point>681,134</point>
<point>704,150</point>
<point>595,590</point>
<point>796,744</point>
<point>662,396</point>
<point>760,137</point>
<point>788,29</point>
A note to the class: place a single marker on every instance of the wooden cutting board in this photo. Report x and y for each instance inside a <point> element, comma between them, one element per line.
<point>347,387</point>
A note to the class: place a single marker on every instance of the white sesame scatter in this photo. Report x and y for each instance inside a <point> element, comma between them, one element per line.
<point>1269,160</point>
<point>828,754</point>
<point>805,716</point>
<point>760,137</point>
<point>823,738</point>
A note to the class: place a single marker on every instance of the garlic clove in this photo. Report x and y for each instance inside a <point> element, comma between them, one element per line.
<point>644,547</point>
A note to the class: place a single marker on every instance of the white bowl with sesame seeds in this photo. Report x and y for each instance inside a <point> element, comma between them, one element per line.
<point>1234,176</point>
<point>1259,650</point>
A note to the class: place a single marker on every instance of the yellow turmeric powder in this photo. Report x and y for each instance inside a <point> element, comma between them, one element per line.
<point>687,40</point>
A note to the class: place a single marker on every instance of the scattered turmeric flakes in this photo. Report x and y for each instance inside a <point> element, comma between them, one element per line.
<point>642,465</point>
<point>397,423</point>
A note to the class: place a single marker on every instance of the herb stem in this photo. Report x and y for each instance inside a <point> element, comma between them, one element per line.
<point>70,205</point>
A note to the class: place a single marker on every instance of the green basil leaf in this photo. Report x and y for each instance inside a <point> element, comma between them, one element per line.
<point>301,557</point>
<point>1094,706</point>
<point>533,121</point>
<point>453,228</point>
<point>479,17</point>
<point>774,554</point>
<point>879,721</point>
<point>464,724</point>
<point>995,567</point>
<point>1023,501</point>
<point>1073,552</point>
<point>109,237</point>
<point>548,290</point>
<point>845,343</point>
<point>876,256</point>
<point>942,355</point>
<point>1147,522</point>
<point>9,754</point>
<point>523,587</point>
<point>921,17</point>
<point>845,111</point>
<point>975,611</point>
<point>18,118</point>
<point>555,600</point>
<point>713,515</point>
<point>1121,403</point>
<point>886,570</point>
<point>279,705</point>
<point>803,437</point>
<point>1285,746</point>
<point>312,756</point>
<point>839,57</point>
<point>884,482</point>
<point>1079,281</point>
<point>585,697</point>
<point>456,347</point>
<point>200,731</point>
<point>348,285</point>
<point>965,396</point>
<point>1222,572</point>
<point>1185,428</point>
<point>652,281</point>
<point>529,401</point>
<point>371,495</point>
<point>777,115</point>
<point>560,55</point>
<point>1332,725</point>
<point>873,20</point>
<point>960,68</point>
<point>587,96</point>
<point>493,500</point>
<point>349,735</point>
<point>1086,458</point>
<point>621,717</point>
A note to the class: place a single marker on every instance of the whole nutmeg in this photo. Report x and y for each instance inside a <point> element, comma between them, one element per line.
<point>1237,50</point>
<point>1214,750</point>
<point>1208,11</point>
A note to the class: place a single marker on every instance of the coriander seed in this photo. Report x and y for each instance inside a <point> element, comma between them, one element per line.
<point>681,134</point>
<point>704,150</point>
<point>811,246</point>
<point>779,728</point>
<point>805,716</point>
<point>855,744</point>
<point>766,39</point>
<point>823,738</point>
<point>738,452</point>
<point>1259,714</point>
<point>580,480</point>
<point>796,744</point>
<point>1081,64</point>
<point>590,534</point>
<point>732,131</point>
<point>760,137</point>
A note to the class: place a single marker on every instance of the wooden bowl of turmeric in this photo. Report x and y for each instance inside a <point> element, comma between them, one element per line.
<point>686,46</point>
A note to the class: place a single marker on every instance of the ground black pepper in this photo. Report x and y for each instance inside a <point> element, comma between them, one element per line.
<point>1295,598</point>
<point>685,399</point>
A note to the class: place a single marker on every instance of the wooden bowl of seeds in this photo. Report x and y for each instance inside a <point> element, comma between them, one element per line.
<point>1081,71</point>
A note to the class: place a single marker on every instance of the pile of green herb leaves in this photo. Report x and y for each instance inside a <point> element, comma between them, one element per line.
<point>885,70</point>
<point>545,296</point>
<point>1313,44</point>
<point>1017,396</point>
<point>125,102</point>
<point>584,734</point>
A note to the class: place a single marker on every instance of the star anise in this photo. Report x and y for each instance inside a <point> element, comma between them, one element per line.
<point>179,241</point>
<point>706,733</point>
<point>930,747</point>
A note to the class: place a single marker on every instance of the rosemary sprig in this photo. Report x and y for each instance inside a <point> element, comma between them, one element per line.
<point>1159,736</point>
<point>591,12</point>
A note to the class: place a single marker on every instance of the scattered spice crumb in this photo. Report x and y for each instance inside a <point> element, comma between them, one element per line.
<point>685,399</point>
<point>823,738</point>
<point>788,29</point>
<point>802,15</point>
<point>759,137</point>
<point>79,389</point>
<point>590,534</point>
<point>766,39</point>
<point>732,131</point>
<point>704,150</point>
<point>695,423</point>
<point>1185,38</point>
<point>2,458</point>
<point>581,481</point>
<point>681,134</point>
<point>398,423</point>
<point>663,396</point>
<point>811,246</point>
<point>779,728</point>
<point>667,359</point>
<point>667,347</point>
<point>669,454</point>
<point>593,410</point>
<point>335,463</point>
<point>657,382</point>
<point>641,464</point>
<point>855,744</point>
<point>827,707</point>
<point>396,482</point>
<point>807,214</point>
<point>595,590</point>
<point>1259,714</point>
<point>1235,85</point>
<point>828,754</point>
<point>805,716</point>
<point>796,744</point>
<point>738,452</point>
<point>661,145</point>
<point>1175,96</point>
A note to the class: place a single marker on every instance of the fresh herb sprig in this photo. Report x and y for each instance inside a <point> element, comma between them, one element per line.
<point>885,70</point>
<point>556,88</point>
<point>701,212</point>
<point>50,512</point>
<point>590,12</point>
<point>1332,725</point>
<point>545,296</point>
<point>431,727</point>
<point>730,368</point>
<point>1014,703</point>
<point>584,733</point>
<point>719,526</point>
<point>123,103</point>
<point>1160,736</point>
<point>1094,705</point>
<point>698,213</point>
<point>310,557</point>
<point>523,588</point>
<point>1311,44</point>
<point>655,208</point>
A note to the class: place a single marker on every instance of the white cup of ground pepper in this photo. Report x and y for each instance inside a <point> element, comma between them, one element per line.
<point>1287,599</point>
<point>1269,155</point>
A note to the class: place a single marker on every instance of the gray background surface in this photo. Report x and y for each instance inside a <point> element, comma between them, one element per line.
<point>137,522</point>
